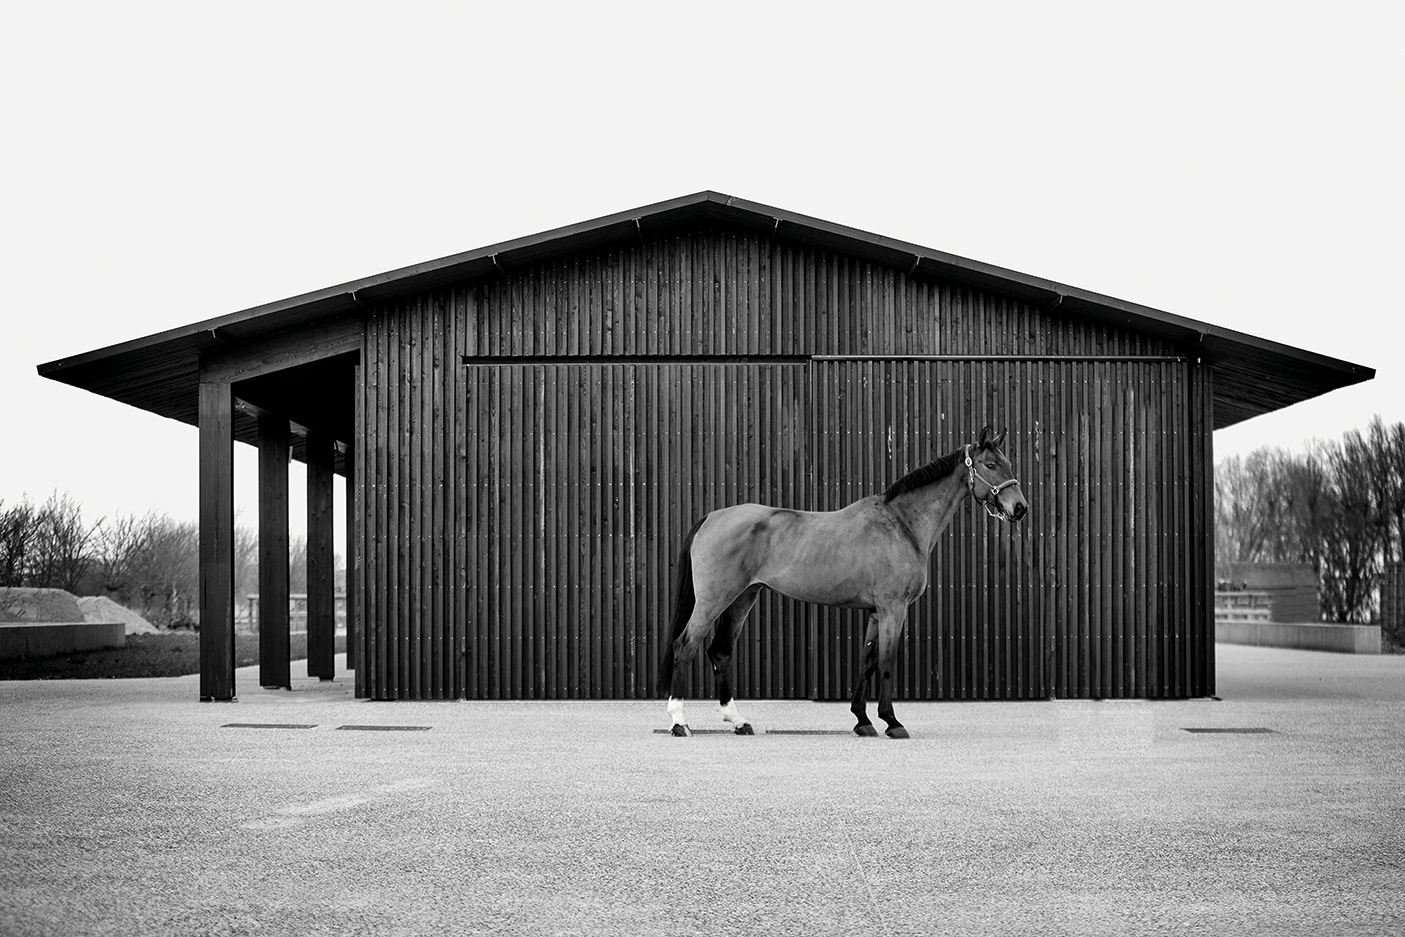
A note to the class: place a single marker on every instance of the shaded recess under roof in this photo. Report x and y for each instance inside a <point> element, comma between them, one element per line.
<point>160,372</point>
<point>319,395</point>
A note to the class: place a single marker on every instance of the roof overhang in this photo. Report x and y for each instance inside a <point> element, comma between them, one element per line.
<point>160,372</point>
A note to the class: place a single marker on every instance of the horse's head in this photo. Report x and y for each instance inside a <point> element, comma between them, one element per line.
<point>991,478</point>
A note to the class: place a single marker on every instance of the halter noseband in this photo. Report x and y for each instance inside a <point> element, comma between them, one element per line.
<point>991,501</point>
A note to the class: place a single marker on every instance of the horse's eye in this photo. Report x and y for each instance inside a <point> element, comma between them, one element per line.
<point>991,465</point>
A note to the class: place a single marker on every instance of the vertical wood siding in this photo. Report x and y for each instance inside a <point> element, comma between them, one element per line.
<point>521,514</point>
<point>411,601</point>
<point>1096,592</point>
<point>579,525</point>
<point>715,292</point>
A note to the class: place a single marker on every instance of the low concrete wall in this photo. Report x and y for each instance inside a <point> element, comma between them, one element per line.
<point>1310,636</point>
<point>49,638</point>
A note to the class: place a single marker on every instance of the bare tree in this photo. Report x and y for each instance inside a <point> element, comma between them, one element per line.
<point>165,570</point>
<point>1339,507</point>
<point>1347,532</point>
<point>1235,501</point>
<point>1388,443</point>
<point>1265,508</point>
<point>62,545</point>
<point>297,566</point>
<point>246,564</point>
<point>118,542</point>
<point>18,526</point>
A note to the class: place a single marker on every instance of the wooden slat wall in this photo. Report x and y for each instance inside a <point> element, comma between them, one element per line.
<point>718,292</point>
<point>411,600</point>
<point>1097,592</point>
<point>521,522</point>
<point>578,527</point>
<point>976,323</point>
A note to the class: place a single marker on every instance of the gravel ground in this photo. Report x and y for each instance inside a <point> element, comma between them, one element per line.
<point>128,808</point>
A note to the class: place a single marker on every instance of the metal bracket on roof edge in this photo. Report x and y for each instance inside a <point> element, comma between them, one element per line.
<point>215,334</point>
<point>498,267</point>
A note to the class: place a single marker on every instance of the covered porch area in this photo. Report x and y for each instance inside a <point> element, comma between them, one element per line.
<point>293,401</point>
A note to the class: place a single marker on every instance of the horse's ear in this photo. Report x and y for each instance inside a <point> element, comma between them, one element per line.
<point>1000,440</point>
<point>985,437</point>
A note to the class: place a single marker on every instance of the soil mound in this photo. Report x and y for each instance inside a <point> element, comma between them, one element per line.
<point>101,608</point>
<point>24,604</point>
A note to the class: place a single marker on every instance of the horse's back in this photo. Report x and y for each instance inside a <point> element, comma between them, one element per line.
<point>842,557</point>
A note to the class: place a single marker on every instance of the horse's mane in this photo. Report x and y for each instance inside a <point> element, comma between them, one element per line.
<point>922,477</point>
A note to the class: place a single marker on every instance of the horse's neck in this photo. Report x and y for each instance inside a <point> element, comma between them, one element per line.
<point>928,510</point>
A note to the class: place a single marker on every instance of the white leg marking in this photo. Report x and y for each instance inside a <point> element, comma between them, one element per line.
<point>732,715</point>
<point>675,710</point>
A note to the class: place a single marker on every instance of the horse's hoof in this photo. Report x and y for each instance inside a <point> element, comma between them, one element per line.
<point>681,731</point>
<point>866,730</point>
<point>744,729</point>
<point>897,732</point>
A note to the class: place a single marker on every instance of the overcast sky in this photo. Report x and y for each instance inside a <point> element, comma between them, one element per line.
<point>1239,164</point>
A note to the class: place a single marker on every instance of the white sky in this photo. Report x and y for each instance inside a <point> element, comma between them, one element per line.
<point>163,163</point>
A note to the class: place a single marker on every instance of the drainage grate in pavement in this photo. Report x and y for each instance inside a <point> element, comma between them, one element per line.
<point>383,728</point>
<point>267,725</point>
<point>1256,730</point>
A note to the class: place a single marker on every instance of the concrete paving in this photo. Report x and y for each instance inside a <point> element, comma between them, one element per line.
<point>126,807</point>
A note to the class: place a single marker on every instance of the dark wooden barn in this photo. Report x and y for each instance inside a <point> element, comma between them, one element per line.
<point>529,430</point>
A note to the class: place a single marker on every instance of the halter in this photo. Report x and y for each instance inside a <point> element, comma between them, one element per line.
<point>990,502</point>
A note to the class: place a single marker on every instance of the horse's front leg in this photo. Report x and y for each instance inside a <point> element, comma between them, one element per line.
<point>870,662</point>
<point>890,631</point>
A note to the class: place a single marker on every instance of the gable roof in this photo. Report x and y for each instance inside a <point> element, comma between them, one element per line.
<point>160,372</point>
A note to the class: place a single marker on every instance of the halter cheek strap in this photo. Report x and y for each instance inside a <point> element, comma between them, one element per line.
<point>990,502</point>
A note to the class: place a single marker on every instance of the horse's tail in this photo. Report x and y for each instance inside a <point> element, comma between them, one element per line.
<point>682,610</point>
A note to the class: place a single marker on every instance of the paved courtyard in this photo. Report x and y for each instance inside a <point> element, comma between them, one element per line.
<point>126,807</point>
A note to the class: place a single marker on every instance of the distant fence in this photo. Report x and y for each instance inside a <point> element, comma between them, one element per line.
<point>1288,591</point>
<point>297,611</point>
<point>1243,606</point>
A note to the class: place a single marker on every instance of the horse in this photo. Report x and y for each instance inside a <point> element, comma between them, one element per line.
<point>871,555</point>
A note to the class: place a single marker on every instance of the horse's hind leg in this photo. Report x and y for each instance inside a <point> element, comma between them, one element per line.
<point>719,652</point>
<point>706,615</point>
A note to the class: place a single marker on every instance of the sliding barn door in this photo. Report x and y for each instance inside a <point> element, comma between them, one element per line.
<point>588,478</point>
<point>1099,591</point>
<point>585,478</point>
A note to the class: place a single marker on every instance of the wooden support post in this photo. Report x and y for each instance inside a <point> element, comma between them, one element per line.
<point>216,541</point>
<point>356,529</point>
<point>321,560</point>
<point>274,441</point>
<point>352,625</point>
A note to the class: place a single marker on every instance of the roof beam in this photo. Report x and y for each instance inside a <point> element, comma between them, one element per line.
<point>280,351</point>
